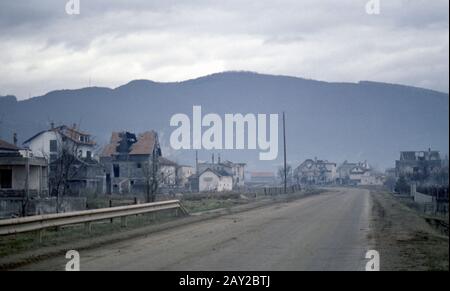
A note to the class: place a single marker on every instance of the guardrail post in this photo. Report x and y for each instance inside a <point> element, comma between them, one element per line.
<point>88,227</point>
<point>40,235</point>
<point>110,206</point>
<point>123,221</point>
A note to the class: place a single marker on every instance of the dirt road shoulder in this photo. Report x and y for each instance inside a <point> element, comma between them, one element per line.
<point>404,239</point>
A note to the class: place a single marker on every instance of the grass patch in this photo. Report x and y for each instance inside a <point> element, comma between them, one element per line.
<point>18,243</point>
<point>194,206</point>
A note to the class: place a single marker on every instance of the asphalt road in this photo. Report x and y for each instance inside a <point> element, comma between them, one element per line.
<point>323,232</point>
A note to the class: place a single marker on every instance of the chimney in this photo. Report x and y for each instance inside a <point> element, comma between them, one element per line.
<point>52,125</point>
<point>15,139</point>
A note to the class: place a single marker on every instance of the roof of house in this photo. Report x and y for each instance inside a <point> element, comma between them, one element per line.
<point>216,172</point>
<point>6,146</point>
<point>144,144</point>
<point>416,155</point>
<point>167,162</point>
<point>70,132</point>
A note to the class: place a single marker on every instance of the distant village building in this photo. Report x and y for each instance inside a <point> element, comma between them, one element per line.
<point>315,172</point>
<point>358,174</point>
<point>168,172</point>
<point>418,165</point>
<point>211,180</point>
<point>127,159</point>
<point>69,150</point>
<point>235,170</point>
<point>21,173</point>
<point>184,173</point>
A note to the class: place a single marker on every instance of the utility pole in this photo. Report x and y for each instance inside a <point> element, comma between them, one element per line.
<point>285,162</point>
<point>196,162</point>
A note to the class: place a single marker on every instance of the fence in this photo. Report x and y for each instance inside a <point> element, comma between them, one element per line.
<point>430,199</point>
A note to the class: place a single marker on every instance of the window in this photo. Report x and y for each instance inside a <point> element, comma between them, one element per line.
<point>53,146</point>
<point>5,179</point>
<point>116,170</point>
<point>88,154</point>
<point>139,165</point>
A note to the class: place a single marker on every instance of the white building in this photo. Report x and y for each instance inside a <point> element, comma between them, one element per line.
<point>48,143</point>
<point>168,172</point>
<point>21,172</point>
<point>363,175</point>
<point>214,181</point>
<point>183,175</point>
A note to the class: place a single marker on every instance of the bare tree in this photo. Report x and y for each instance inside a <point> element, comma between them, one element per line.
<point>63,168</point>
<point>152,177</point>
<point>289,175</point>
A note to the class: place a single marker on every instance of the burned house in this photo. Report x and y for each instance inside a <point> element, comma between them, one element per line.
<point>73,167</point>
<point>128,159</point>
<point>418,165</point>
<point>315,172</point>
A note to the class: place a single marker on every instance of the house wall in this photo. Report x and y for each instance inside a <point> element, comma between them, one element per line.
<point>208,181</point>
<point>183,174</point>
<point>40,146</point>
<point>225,184</point>
<point>169,175</point>
<point>37,180</point>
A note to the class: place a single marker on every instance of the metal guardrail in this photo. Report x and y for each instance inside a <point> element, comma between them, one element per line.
<point>41,222</point>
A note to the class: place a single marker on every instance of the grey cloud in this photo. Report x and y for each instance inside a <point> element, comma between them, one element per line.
<point>168,40</point>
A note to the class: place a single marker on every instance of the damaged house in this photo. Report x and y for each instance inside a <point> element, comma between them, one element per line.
<point>418,165</point>
<point>128,159</point>
<point>23,177</point>
<point>74,170</point>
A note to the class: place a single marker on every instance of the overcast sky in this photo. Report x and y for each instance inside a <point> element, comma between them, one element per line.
<point>112,42</point>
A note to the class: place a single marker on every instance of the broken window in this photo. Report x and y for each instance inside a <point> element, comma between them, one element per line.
<point>6,179</point>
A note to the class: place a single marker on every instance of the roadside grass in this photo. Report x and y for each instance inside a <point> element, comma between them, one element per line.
<point>195,206</point>
<point>404,238</point>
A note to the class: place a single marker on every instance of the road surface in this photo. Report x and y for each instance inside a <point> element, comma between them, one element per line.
<point>322,232</point>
